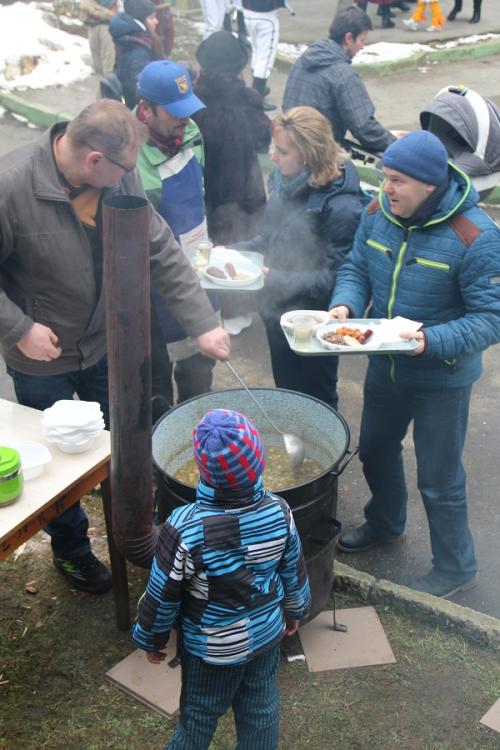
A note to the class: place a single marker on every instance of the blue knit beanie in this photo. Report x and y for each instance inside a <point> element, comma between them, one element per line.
<point>228,450</point>
<point>420,155</point>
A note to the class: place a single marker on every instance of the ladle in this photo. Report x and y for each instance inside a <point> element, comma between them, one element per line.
<point>294,445</point>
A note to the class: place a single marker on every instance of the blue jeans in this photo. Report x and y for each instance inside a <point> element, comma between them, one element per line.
<point>208,691</point>
<point>439,429</point>
<point>69,531</point>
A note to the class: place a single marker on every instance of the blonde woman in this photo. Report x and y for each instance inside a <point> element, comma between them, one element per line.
<point>309,223</point>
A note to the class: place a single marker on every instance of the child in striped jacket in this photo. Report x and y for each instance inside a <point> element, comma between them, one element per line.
<point>230,566</point>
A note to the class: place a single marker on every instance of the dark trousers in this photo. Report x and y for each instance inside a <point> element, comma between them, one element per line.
<point>193,375</point>
<point>209,691</point>
<point>439,429</point>
<point>68,532</point>
<point>315,376</point>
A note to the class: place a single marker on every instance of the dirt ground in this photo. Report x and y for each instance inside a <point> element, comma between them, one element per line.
<point>57,645</point>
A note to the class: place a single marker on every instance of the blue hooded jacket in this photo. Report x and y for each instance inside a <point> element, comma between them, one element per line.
<point>445,274</point>
<point>133,44</point>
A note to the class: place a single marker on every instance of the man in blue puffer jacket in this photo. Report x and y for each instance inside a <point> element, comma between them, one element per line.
<point>424,251</point>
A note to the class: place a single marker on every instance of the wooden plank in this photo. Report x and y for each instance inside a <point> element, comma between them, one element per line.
<point>52,510</point>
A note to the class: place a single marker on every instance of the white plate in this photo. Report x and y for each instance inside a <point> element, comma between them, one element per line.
<point>252,274</point>
<point>71,413</point>
<point>64,432</point>
<point>288,319</point>
<point>371,345</point>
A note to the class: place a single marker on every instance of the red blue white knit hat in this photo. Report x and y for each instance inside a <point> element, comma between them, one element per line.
<point>228,450</point>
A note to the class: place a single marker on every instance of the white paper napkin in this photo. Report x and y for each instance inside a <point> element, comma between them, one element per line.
<point>389,329</point>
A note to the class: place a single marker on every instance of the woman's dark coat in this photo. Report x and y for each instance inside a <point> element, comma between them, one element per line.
<point>235,129</point>
<point>304,239</point>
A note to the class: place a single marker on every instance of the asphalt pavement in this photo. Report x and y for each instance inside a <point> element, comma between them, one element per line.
<point>398,99</point>
<point>313,17</point>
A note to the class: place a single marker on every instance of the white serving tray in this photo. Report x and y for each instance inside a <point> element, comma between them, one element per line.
<point>316,349</point>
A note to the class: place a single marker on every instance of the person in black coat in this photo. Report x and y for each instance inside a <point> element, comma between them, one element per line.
<point>136,44</point>
<point>235,130</point>
<point>309,224</point>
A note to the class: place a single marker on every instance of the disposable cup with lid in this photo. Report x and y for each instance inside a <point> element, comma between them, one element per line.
<point>11,476</point>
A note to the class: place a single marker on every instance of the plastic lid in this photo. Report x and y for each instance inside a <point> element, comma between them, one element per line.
<point>10,460</point>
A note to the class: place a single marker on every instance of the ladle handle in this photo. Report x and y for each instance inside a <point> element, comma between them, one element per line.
<point>247,389</point>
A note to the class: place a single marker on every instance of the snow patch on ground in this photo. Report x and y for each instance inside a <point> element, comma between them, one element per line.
<point>388,51</point>
<point>474,39</point>
<point>378,52</point>
<point>385,51</point>
<point>60,58</point>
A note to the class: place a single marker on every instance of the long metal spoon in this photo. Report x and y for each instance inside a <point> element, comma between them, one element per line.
<point>294,445</point>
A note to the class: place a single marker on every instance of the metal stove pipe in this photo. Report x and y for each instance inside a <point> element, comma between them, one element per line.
<point>126,281</point>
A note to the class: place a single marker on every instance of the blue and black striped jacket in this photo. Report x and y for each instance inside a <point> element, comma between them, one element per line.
<point>232,570</point>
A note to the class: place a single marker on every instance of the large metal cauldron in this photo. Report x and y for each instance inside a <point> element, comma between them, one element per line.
<point>314,503</point>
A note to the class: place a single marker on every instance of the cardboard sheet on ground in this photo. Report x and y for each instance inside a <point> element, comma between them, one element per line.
<point>158,686</point>
<point>364,643</point>
<point>491,718</point>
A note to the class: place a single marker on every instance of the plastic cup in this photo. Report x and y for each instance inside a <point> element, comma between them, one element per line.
<point>302,333</point>
<point>202,255</point>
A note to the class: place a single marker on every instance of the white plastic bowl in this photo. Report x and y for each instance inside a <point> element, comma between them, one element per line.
<point>76,447</point>
<point>288,319</point>
<point>34,457</point>
<point>71,414</point>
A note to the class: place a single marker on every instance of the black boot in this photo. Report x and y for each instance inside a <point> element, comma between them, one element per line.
<point>386,17</point>
<point>456,9</point>
<point>380,12</point>
<point>259,84</point>
<point>476,16</point>
<point>240,23</point>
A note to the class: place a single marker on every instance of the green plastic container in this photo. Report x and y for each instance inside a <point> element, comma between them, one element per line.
<point>11,476</point>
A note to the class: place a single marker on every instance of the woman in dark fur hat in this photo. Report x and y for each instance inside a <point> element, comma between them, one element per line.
<point>235,129</point>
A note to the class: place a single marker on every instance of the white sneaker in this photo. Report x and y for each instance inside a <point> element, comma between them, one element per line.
<point>434,28</point>
<point>410,24</point>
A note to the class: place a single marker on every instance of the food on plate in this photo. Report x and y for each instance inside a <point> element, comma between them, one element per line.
<point>345,336</point>
<point>217,272</point>
<point>228,274</point>
<point>231,270</point>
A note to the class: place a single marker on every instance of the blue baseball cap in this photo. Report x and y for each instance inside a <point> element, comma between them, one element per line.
<point>168,84</point>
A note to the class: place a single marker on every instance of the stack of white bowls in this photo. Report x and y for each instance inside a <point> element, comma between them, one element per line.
<point>72,425</point>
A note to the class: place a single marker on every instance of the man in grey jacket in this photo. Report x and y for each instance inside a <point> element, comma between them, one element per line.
<point>52,311</point>
<point>323,78</point>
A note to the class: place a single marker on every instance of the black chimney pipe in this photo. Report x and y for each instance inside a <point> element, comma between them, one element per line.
<point>127,292</point>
